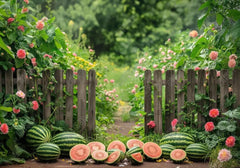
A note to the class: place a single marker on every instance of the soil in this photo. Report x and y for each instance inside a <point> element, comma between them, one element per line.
<point>118,128</point>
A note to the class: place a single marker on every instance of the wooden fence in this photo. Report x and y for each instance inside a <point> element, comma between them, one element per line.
<point>195,82</point>
<point>11,84</point>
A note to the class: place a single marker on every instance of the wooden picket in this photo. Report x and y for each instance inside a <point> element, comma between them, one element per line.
<point>195,83</point>
<point>63,111</point>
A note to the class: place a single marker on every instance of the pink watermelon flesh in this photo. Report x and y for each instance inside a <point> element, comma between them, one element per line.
<point>117,145</point>
<point>99,155</point>
<point>152,150</point>
<point>113,157</point>
<point>137,157</point>
<point>134,142</point>
<point>79,153</point>
<point>94,146</point>
<point>178,155</point>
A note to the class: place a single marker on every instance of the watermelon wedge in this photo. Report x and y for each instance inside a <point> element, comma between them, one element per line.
<point>136,158</point>
<point>117,145</point>
<point>114,158</point>
<point>152,151</point>
<point>79,153</point>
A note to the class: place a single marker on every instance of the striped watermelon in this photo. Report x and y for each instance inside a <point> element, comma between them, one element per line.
<point>114,158</point>
<point>37,135</point>
<point>66,140</point>
<point>48,152</point>
<point>179,140</point>
<point>122,155</point>
<point>166,150</point>
<point>133,150</point>
<point>197,152</point>
<point>136,158</point>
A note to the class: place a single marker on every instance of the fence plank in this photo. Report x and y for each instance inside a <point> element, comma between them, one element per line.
<point>181,94</point>
<point>147,99</point>
<point>91,103</point>
<point>158,101</point>
<point>32,83</point>
<point>224,84</point>
<point>201,90</point>
<point>191,93</point>
<point>21,81</point>
<point>1,82</point>
<point>170,99</point>
<point>59,94</point>
<point>81,85</point>
<point>236,87</point>
<point>213,87</point>
<point>69,98</point>
<point>47,96</point>
<point>9,81</point>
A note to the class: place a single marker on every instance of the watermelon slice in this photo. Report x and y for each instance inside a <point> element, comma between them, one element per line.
<point>114,158</point>
<point>152,150</point>
<point>134,142</point>
<point>79,153</point>
<point>94,146</point>
<point>117,145</point>
<point>99,156</point>
<point>136,158</point>
<point>178,155</point>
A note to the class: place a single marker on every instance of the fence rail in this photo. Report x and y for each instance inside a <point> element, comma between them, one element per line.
<point>86,93</point>
<point>181,88</point>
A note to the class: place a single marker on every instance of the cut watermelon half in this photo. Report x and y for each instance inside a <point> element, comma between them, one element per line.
<point>79,153</point>
<point>136,158</point>
<point>94,146</point>
<point>99,156</point>
<point>117,145</point>
<point>178,155</point>
<point>134,142</point>
<point>152,150</point>
<point>114,158</point>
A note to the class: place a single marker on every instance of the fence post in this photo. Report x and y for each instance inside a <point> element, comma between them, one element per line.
<point>213,87</point>
<point>81,85</point>
<point>47,95</point>
<point>224,84</point>
<point>158,101</point>
<point>21,81</point>
<point>9,81</point>
<point>91,103</point>
<point>147,99</point>
<point>191,92</point>
<point>180,95</point>
<point>236,86</point>
<point>202,91</point>
<point>69,98</point>
<point>170,99</point>
<point>59,94</point>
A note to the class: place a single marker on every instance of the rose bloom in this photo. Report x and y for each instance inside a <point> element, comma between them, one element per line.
<point>74,54</point>
<point>230,89</point>
<point>175,65</point>
<point>13,69</point>
<point>35,105</point>
<point>136,86</point>
<point>34,63</point>
<point>213,55</point>
<point>155,65</point>
<point>24,10</point>
<point>151,124</point>
<point>139,67</point>
<point>144,69</point>
<point>231,63</point>
<point>26,1</point>
<point>174,122</point>
<point>218,73</point>
<point>224,155</point>
<point>21,54</point>
<point>10,20</point>
<point>16,111</point>
<point>230,141</point>
<point>209,126</point>
<point>21,28</point>
<point>233,56</point>
<point>133,91</point>
<point>31,45</point>
<point>40,25</point>
<point>4,128</point>
<point>214,113</point>
<point>112,81</point>
<point>72,67</point>
<point>20,94</point>
<point>163,70</point>
<point>105,80</point>
<point>193,33</point>
<point>74,106</point>
<point>47,55</point>
<point>197,69</point>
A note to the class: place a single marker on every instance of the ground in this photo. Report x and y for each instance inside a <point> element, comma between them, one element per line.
<point>118,128</point>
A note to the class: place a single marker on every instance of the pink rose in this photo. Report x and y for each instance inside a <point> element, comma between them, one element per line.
<point>21,54</point>
<point>20,94</point>
<point>31,45</point>
<point>214,113</point>
<point>24,10</point>
<point>16,111</point>
<point>224,155</point>
<point>40,25</point>
<point>13,69</point>
<point>213,55</point>
<point>74,106</point>
<point>231,63</point>
<point>4,128</point>
<point>230,141</point>
<point>26,1</point>
<point>112,81</point>
<point>21,28</point>
<point>197,69</point>
<point>193,33</point>
<point>34,63</point>
<point>35,105</point>
<point>10,20</point>
<point>209,126</point>
<point>151,124</point>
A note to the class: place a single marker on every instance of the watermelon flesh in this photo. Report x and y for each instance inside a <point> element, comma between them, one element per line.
<point>178,155</point>
<point>152,150</point>
<point>99,155</point>
<point>134,142</point>
<point>136,158</point>
<point>79,153</point>
<point>94,146</point>
<point>114,157</point>
<point>117,145</point>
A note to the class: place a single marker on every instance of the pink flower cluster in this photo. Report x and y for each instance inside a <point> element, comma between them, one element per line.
<point>193,33</point>
<point>232,61</point>
<point>174,123</point>
<point>213,55</point>
<point>151,124</point>
<point>4,128</point>
<point>224,155</point>
<point>21,54</point>
<point>40,25</point>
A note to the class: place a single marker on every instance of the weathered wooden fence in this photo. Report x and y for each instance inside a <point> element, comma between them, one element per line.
<point>194,82</point>
<point>64,111</point>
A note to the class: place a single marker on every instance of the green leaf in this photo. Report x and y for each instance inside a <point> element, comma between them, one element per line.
<point>219,19</point>
<point>203,6</point>
<point>201,19</point>
<point>222,125</point>
<point>7,109</point>
<point>4,46</point>
<point>19,63</point>
<point>233,114</point>
<point>231,128</point>
<point>44,35</point>
<point>234,14</point>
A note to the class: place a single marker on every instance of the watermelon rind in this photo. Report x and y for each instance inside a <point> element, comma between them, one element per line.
<point>96,146</point>
<point>178,139</point>
<point>83,152</point>
<point>151,151</point>
<point>117,158</point>
<point>166,150</point>
<point>134,142</point>
<point>37,135</point>
<point>122,155</point>
<point>99,156</point>
<point>197,152</point>
<point>48,152</point>
<point>117,145</point>
<point>66,140</point>
<point>179,159</point>
<point>134,158</point>
<point>133,150</point>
